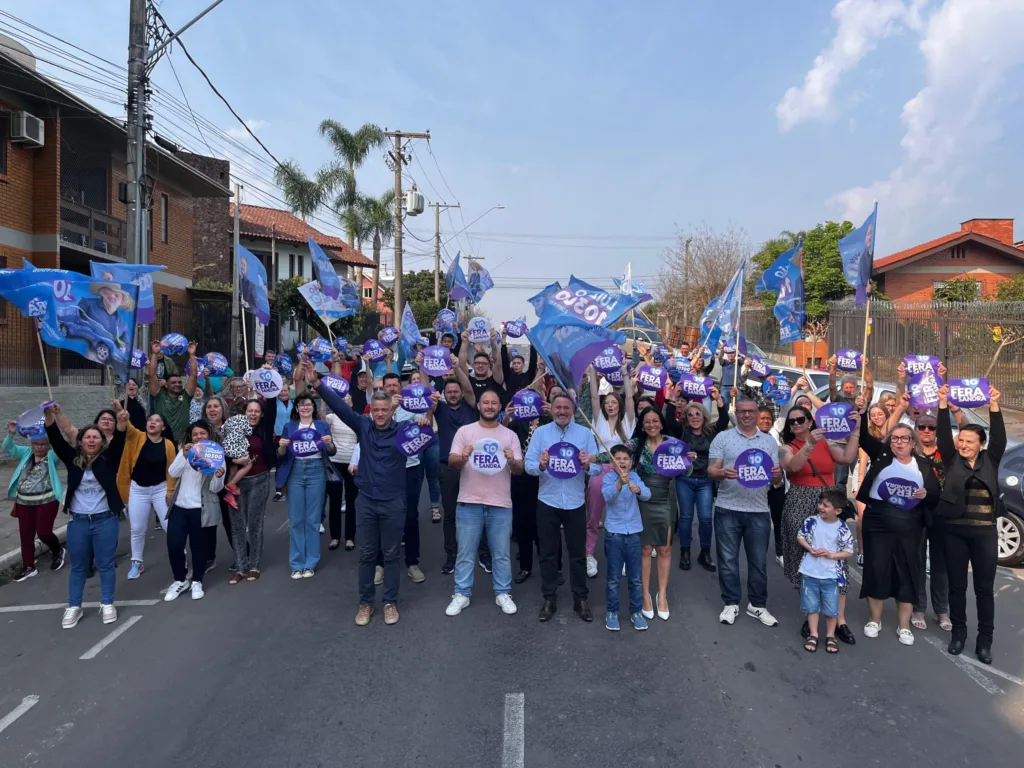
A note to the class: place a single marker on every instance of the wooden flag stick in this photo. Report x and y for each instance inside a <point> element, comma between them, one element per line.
<point>42,356</point>
<point>867,330</point>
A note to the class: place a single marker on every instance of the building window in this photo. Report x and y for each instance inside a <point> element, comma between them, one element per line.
<point>940,284</point>
<point>958,252</point>
<point>163,218</point>
<point>291,265</point>
<point>5,121</point>
<point>302,266</point>
<point>367,293</point>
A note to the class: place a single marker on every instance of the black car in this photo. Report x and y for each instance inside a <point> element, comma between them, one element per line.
<point>1010,523</point>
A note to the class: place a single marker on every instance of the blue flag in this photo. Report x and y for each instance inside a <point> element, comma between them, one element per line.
<point>857,250</point>
<point>724,319</point>
<point>410,332</point>
<point>455,280</point>
<point>252,285</point>
<point>479,281</point>
<point>329,282</point>
<point>568,345</point>
<point>636,289</point>
<point>786,277</point>
<point>12,279</point>
<point>541,299</point>
<point>136,274</point>
<point>641,321</point>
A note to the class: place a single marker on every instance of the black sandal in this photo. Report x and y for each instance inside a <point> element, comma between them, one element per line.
<point>334,544</point>
<point>811,644</point>
<point>831,646</point>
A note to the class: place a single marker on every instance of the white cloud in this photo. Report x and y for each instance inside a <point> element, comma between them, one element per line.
<point>969,48</point>
<point>238,132</point>
<point>860,24</point>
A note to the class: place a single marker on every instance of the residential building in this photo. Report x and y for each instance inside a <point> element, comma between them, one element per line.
<point>386,315</point>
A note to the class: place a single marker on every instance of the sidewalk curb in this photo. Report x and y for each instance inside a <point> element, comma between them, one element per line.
<point>14,556</point>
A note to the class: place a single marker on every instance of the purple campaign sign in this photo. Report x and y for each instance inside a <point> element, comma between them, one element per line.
<point>304,442</point>
<point>916,364</point>
<point>320,350</point>
<point>615,378</point>
<point>670,458</point>
<point>527,405</point>
<point>174,344</point>
<point>898,492</point>
<point>336,383</point>
<point>341,344</point>
<point>848,360</point>
<point>759,368</point>
<point>206,456</point>
<point>924,389</point>
<point>969,393</point>
<point>694,387</point>
<point>283,363</point>
<point>754,467</point>
<point>389,335</point>
<point>416,398</point>
<point>412,439</point>
<point>564,461</point>
<point>437,360</point>
<point>515,328</point>
<point>834,419</point>
<point>652,377</point>
<point>609,361</point>
<point>139,359</point>
<point>374,351</point>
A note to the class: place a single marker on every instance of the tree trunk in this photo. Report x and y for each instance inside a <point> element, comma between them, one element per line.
<point>376,272</point>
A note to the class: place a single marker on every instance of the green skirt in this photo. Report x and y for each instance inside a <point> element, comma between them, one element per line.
<point>659,513</point>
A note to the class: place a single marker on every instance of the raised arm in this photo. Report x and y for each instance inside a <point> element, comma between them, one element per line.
<point>531,363</point>
<point>154,382</point>
<point>722,422</point>
<point>193,364</point>
<point>64,424</point>
<point>833,391</point>
<point>869,382</point>
<point>334,401</point>
<point>870,444</point>
<point>468,393</point>
<point>594,388</point>
<point>506,362</point>
<point>848,454</point>
<point>997,432</point>
<point>498,370</point>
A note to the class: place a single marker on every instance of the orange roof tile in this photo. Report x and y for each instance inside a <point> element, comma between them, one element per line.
<point>911,252</point>
<point>260,222</point>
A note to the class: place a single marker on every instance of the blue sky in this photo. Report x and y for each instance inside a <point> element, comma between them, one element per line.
<point>617,125</point>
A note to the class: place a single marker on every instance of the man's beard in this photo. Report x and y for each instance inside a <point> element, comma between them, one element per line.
<point>489,420</point>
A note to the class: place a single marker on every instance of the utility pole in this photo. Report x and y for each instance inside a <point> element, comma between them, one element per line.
<point>135,156</point>
<point>437,246</point>
<point>234,289</point>
<point>398,159</point>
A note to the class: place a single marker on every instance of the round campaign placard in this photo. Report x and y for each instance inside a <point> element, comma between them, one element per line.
<point>283,363</point>
<point>682,364</point>
<point>779,391</point>
<point>834,419</point>
<point>527,405</point>
<point>754,467</point>
<point>302,348</point>
<point>304,442</point>
<point>899,492</point>
<point>374,351</point>
<point>139,359</point>
<point>564,461</point>
<point>215,363</point>
<point>515,329</point>
<point>615,377</point>
<point>445,321</point>
<point>848,360</point>
<point>341,344</point>
<point>265,381</point>
<point>479,330</point>
<point>416,398</point>
<point>924,389</point>
<point>336,383</point>
<point>969,393</point>
<point>670,458</point>
<point>32,423</point>
<point>651,377</point>
<point>694,387</point>
<point>759,368</point>
<point>437,360</point>
<point>411,439</point>
<point>206,456</point>
<point>609,361</point>
<point>916,364</point>
<point>174,344</point>
<point>320,350</point>
<point>389,335</point>
<point>488,456</point>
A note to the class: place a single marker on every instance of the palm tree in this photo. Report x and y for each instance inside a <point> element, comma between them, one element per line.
<point>303,194</point>
<point>351,149</point>
<point>377,215</point>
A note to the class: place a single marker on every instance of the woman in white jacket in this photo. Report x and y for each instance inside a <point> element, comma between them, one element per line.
<point>345,441</point>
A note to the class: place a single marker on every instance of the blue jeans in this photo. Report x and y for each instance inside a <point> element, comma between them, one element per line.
<point>699,491</point>
<point>470,522</point>
<point>754,529</point>
<point>92,537</point>
<point>431,459</point>
<point>379,526</point>
<point>622,548</point>
<point>307,484</point>
<point>819,596</point>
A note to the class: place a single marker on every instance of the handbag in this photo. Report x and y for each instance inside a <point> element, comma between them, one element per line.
<point>849,510</point>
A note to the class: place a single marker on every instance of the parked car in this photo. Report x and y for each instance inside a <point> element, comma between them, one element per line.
<point>103,348</point>
<point>645,335</point>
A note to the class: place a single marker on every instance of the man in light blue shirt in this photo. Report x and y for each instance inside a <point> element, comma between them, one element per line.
<point>561,505</point>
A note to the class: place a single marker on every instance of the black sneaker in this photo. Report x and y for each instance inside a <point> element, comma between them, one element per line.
<point>449,566</point>
<point>486,566</point>
<point>57,561</point>
<point>25,573</point>
<point>278,495</point>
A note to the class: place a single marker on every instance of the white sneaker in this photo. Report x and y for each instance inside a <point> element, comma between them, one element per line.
<point>176,589</point>
<point>378,576</point>
<point>762,615</point>
<point>505,602</point>
<point>308,573</point>
<point>71,618</point>
<point>729,614</point>
<point>906,636</point>
<point>109,615</point>
<point>780,561</point>
<point>296,575</point>
<point>321,527</point>
<point>623,569</point>
<point>197,590</point>
<point>456,605</point>
<point>591,566</point>
<point>872,628</point>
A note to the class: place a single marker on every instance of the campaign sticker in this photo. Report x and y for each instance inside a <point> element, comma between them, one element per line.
<point>515,328</point>
<point>924,389</point>
<point>754,467</point>
<point>615,377</point>
<point>651,377</point>
<point>899,492</point>
<point>389,335</point>
<point>969,393</point>
<point>694,387</point>
<point>848,360</point>
<point>488,456</point>
<point>304,443</point>
<point>32,423</point>
<point>139,359</point>
<point>320,350</point>
<point>374,351</point>
<point>416,398</point>
<point>670,458</point>
<point>206,456</point>
<point>834,419</point>
<point>564,461</point>
<point>336,383</point>
<point>174,344</point>
<point>527,405</point>
<point>609,361</point>
<point>479,330</point>
<point>916,364</point>
<point>265,381</point>
<point>437,360</point>
<point>411,439</point>
<point>779,391</point>
<point>759,368</point>
<point>283,363</point>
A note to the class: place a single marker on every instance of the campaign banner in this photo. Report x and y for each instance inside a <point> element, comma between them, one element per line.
<point>564,461</point>
<point>206,456</point>
<point>609,360</point>
<point>899,492</point>
<point>651,377</point>
<point>527,405</point>
<point>759,368</point>
<point>283,363</point>
<point>411,439</point>
<point>320,350</point>
<point>324,270</point>
<point>924,389</point>
<point>304,443</point>
<point>137,274</point>
<point>848,360</point>
<point>479,330</point>
<point>265,381</point>
<point>32,423</point>
<point>592,305</point>
<point>694,387</point>
<point>779,391</point>
<point>834,419</point>
<point>336,383</point>
<point>515,329</point>
<point>670,458</point>
<point>326,308</point>
<point>969,393</point>
<point>174,344</point>
<point>252,285</point>
<point>916,364</point>
<point>139,359</point>
<point>488,456</point>
<point>416,398</point>
<point>754,467</point>
<point>374,351</point>
<point>389,335</point>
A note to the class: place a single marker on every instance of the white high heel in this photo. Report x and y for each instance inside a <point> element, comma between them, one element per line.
<point>663,615</point>
<point>648,614</point>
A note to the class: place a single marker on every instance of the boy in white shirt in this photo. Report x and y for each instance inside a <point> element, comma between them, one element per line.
<point>828,542</point>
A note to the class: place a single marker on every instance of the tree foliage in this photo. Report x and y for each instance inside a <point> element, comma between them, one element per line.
<point>417,287</point>
<point>1011,289</point>
<point>959,289</point>
<point>286,301</point>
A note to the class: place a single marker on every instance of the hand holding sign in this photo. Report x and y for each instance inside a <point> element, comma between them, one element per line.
<point>754,468</point>
<point>968,393</point>
<point>835,421</point>
<point>671,458</point>
<point>487,456</point>
<point>848,360</point>
<point>206,456</point>
<point>563,461</point>
<point>479,330</point>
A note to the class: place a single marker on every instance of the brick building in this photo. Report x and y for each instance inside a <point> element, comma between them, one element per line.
<point>983,250</point>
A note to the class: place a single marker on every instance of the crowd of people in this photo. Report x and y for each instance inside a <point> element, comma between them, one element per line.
<point>550,481</point>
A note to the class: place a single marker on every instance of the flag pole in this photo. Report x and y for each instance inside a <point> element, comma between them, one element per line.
<point>736,361</point>
<point>867,332</point>
<point>245,341</point>
<point>42,356</point>
<point>603,445</point>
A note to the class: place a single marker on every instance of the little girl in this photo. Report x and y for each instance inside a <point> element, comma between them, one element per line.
<point>236,433</point>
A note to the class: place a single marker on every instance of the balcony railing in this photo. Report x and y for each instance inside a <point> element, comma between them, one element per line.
<point>88,228</point>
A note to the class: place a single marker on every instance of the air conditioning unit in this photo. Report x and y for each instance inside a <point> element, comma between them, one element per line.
<point>26,129</point>
<point>414,203</point>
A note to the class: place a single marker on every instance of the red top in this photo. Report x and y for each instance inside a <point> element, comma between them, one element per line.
<point>821,456</point>
<point>256,454</point>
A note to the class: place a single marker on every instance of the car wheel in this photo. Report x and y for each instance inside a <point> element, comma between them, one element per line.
<point>1011,539</point>
<point>102,353</point>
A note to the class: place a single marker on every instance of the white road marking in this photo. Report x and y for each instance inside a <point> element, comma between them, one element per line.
<point>93,652</point>
<point>26,704</point>
<point>992,670</point>
<point>282,526</point>
<point>62,606</point>
<point>514,747</point>
<point>967,667</point>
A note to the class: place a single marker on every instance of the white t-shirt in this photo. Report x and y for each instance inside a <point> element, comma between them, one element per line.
<point>898,469</point>
<point>603,428</point>
<point>89,496</point>
<point>826,536</point>
<point>345,439</point>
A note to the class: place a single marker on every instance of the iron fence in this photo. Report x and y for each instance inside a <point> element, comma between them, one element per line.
<point>759,325</point>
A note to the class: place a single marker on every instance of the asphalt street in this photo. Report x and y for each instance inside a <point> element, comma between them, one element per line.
<point>275,673</point>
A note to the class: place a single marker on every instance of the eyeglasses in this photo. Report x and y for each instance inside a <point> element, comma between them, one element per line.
<point>797,420</point>
<point>926,427</point>
<point>900,438</point>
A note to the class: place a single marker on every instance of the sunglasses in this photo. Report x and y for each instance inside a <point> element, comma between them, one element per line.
<point>926,427</point>
<point>797,420</point>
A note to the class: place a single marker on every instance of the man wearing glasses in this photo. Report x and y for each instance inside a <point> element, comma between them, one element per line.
<point>742,515</point>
